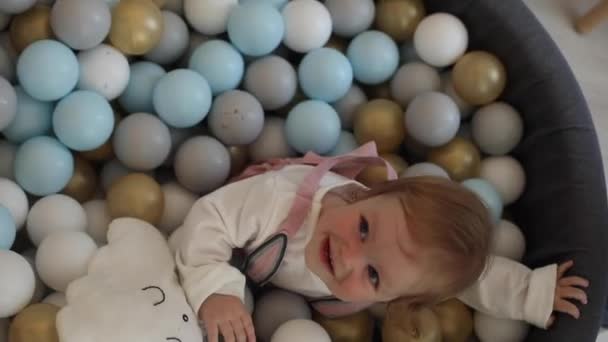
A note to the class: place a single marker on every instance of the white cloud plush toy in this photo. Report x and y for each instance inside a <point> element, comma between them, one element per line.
<point>131,292</point>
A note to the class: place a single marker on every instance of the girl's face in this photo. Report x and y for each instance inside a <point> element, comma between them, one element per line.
<point>363,251</point>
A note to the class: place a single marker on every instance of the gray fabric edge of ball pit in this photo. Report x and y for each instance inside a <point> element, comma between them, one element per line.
<point>563,212</point>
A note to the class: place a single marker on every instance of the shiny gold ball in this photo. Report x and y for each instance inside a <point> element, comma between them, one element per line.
<point>239,158</point>
<point>456,321</point>
<point>31,26</point>
<point>83,184</point>
<point>337,43</point>
<point>381,121</point>
<point>460,158</point>
<point>372,175</point>
<point>479,78</point>
<point>406,325</point>
<point>399,18</point>
<point>35,323</point>
<point>136,195</point>
<point>137,26</point>
<point>354,328</point>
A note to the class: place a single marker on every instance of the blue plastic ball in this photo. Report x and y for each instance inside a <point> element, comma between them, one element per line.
<point>256,28</point>
<point>374,57</point>
<point>137,97</point>
<point>325,74</point>
<point>220,64</point>
<point>43,166</point>
<point>48,70</point>
<point>8,229</point>
<point>346,144</point>
<point>83,120</point>
<point>276,3</point>
<point>33,118</point>
<point>488,195</point>
<point>182,98</point>
<point>313,126</point>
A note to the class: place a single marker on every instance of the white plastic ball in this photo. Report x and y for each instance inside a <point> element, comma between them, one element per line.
<point>497,128</point>
<point>17,283</point>
<point>64,257</point>
<point>308,25</point>
<point>7,159</point>
<point>413,79</point>
<point>275,308</point>
<point>56,298</point>
<point>39,289</point>
<point>424,169</point>
<point>16,6</point>
<point>506,174</point>
<point>105,70</point>
<point>300,330</point>
<point>508,241</point>
<point>491,329</point>
<point>178,202</point>
<point>351,17</point>
<point>15,200</point>
<point>347,106</point>
<point>209,17</point>
<point>432,119</point>
<point>98,220</point>
<point>272,142</point>
<point>53,214</point>
<point>441,39</point>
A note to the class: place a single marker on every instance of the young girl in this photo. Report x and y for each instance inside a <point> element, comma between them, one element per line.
<point>345,247</point>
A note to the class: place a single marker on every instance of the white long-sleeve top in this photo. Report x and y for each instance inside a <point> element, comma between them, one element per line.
<point>247,213</point>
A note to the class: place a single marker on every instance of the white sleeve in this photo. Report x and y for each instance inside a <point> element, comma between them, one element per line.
<point>511,290</point>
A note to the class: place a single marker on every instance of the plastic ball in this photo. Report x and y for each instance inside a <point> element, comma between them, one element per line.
<point>276,3</point>
<point>7,159</point>
<point>414,79</point>
<point>178,202</point>
<point>313,126</point>
<point>104,152</point>
<point>441,39</point>
<point>112,171</point>
<point>33,118</point>
<point>178,136</point>
<point>403,324</point>
<point>182,98</point>
<point>357,327</point>
<point>424,169</point>
<point>83,120</point>
<point>43,166</point>
<point>173,41</point>
<point>381,121</point>
<point>53,214</point>
<point>479,78</point>
<point>460,158</point>
<point>236,118</point>
<point>83,184</point>
<point>17,283</point>
<point>39,288</point>
<point>347,105</point>
<point>8,103</point>
<point>455,320</point>
<point>30,26</point>
<point>256,28</point>
<point>56,298</point>
<point>8,229</point>
<point>272,80</point>
<point>376,174</point>
<point>432,119</point>
<point>7,64</point>
<point>136,26</point>
<point>374,57</point>
<point>399,19</point>
<point>508,241</point>
<point>16,6</point>
<point>142,141</point>
<point>5,19</point>
<point>239,159</point>
<point>4,323</point>
<point>81,24</point>
<point>220,64</point>
<point>202,164</point>
<point>136,195</point>
<point>276,307</point>
<point>346,144</point>
<point>64,257</point>
<point>36,323</point>
<point>506,174</point>
<point>325,74</point>
<point>497,128</point>
<point>351,17</point>
<point>448,88</point>
<point>300,330</point>
<point>138,95</point>
<point>492,329</point>
<point>488,195</point>
<point>209,17</point>
<point>13,198</point>
<point>105,70</point>
<point>308,25</point>
<point>272,142</point>
<point>98,220</point>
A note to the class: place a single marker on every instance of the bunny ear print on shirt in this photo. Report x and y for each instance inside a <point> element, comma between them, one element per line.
<point>264,262</point>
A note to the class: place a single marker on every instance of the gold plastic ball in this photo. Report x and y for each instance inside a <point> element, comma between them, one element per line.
<point>479,78</point>
<point>372,175</point>
<point>35,323</point>
<point>137,26</point>
<point>239,158</point>
<point>404,325</point>
<point>381,121</point>
<point>104,152</point>
<point>456,321</point>
<point>379,91</point>
<point>460,158</point>
<point>399,18</point>
<point>83,184</point>
<point>136,195</point>
<point>354,328</point>
<point>31,26</point>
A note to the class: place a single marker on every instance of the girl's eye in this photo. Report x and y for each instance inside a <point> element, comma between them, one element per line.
<point>363,228</point>
<point>374,278</point>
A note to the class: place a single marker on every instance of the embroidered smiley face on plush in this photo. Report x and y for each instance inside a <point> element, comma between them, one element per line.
<point>130,293</point>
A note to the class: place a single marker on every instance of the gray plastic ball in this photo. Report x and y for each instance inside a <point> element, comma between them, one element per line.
<point>112,171</point>
<point>272,80</point>
<point>81,24</point>
<point>413,79</point>
<point>346,144</point>
<point>497,128</point>
<point>7,65</point>
<point>175,6</point>
<point>275,308</point>
<point>272,142</point>
<point>173,42</point>
<point>7,159</point>
<point>8,103</point>
<point>424,169</point>
<point>142,141</point>
<point>178,136</point>
<point>351,17</point>
<point>236,118</point>
<point>432,119</point>
<point>347,105</point>
<point>16,6</point>
<point>202,164</point>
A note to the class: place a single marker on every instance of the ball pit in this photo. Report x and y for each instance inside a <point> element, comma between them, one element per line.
<point>200,88</point>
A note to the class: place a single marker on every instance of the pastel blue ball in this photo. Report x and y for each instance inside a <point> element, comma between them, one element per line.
<point>256,28</point>
<point>220,64</point>
<point>182,98</point>
<point>313,126</point>
<point>346,144</point>
<point>374,57</point>
<point>83,120</point>
<point>33,118</point>
<point>8,229</point>
<point>276,3</point>
<point>488,195</point>
<point>48,70</point>
<point>43,166</point>
<point>325,74</point>
<point>137,97</point>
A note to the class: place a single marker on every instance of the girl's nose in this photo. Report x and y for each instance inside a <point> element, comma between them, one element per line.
<point>351,260</point>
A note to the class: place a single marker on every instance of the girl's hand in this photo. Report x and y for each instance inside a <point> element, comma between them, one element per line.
<point>567,289</point>
<point>229,316</point>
